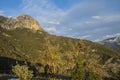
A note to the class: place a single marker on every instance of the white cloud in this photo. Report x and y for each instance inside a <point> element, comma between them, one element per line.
<point>51,29</point>
<point>106,37</point>
<point>96,17</point>
<point>84,18</point>
<point>109,36</point>
<point>44,10</point>
<point>117,34</point>
<point>85,36</point>
<point>53,22</point>
<point>97,40</point>
<point>88,22</point>
<point>47,13</point>
<point>1,12</point>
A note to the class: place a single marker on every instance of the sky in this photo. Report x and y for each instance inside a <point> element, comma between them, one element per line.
<point>85,19</point>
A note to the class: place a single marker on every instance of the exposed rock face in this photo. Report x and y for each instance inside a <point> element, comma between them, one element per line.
<point>22,21</point>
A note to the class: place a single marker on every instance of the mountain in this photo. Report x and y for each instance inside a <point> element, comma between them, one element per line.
<point>113,43</point>
<point>23,40</point>
<point>21,21</point>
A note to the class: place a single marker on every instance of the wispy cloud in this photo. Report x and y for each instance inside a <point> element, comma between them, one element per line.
<point>51,29</point>
<point>45,10</point>
<point>88,17</point>
<point>53,22</point>
<point>85,36</point>
<point>1,12</point>
<point>107,36</point>
<point>96,17</point>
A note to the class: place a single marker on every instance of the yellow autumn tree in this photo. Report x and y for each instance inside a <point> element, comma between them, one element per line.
<point>22,72</point>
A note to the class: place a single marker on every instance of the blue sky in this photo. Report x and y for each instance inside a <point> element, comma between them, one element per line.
<point>87,19</point>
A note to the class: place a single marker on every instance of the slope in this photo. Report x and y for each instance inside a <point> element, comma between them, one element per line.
<point>59,54</point>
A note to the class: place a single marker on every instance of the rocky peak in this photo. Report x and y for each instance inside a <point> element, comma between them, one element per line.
<point>113,39</point>
<point>22,21</point>
<point>113,43</point>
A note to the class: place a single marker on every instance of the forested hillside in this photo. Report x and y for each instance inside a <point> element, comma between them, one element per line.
<point>46,53</point>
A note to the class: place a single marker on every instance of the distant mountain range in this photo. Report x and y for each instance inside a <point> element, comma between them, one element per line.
<point>113,43</point>
<point>23,40</point>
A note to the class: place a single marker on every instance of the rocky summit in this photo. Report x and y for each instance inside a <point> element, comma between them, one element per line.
<point>22,21</point>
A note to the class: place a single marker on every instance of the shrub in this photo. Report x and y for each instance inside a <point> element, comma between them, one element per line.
<point>94,76</point>
<point>22,72</point>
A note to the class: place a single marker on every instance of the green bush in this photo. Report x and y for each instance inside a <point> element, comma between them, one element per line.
<point>22,72</point>
<point>78,73</point>
<point>94,76</point>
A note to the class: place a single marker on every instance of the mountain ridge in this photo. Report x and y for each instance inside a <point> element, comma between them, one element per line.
<point>113,43</point>
<point>19,21</point>
<point>59,54</point>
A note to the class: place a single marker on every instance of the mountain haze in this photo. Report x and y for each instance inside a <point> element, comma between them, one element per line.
<point>22,39</point>
<point>113,43</point>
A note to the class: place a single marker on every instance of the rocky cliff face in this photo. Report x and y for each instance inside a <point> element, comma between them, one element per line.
<point>18,22</point>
